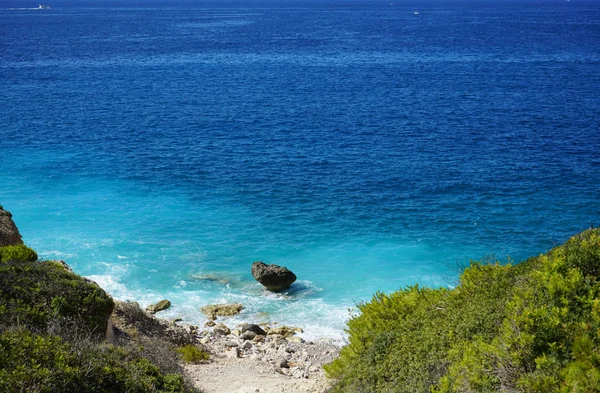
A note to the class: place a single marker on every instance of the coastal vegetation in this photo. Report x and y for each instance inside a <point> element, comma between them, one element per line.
<point>192,354</point>
<point>52,335</point>
<point>17,253</point>
<point>527,327</point>
<point>533,326</point>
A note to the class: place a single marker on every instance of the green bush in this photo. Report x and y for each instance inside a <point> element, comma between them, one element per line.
<point>36,363</point>
<point>192,354</point>
<point>52,326</point>
<point>17,253</point>
<point>34,294</point>
<point>531,327</point>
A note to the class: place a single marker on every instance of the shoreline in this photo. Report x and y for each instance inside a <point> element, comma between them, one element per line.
<point>241,358</point>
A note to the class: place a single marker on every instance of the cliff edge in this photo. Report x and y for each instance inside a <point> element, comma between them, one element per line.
<point>9,234</point>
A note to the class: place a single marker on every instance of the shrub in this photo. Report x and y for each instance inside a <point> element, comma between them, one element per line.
<point>534,326</point>
<point>33,294</point>
<point>17,253</point>
<point>192,354</point>
<point>52,365</point>
<point>52,325</point>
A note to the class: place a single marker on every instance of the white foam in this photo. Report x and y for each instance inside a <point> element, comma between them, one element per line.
<point>58,255</point>
<point>316,317</point>
<point>110,284</point>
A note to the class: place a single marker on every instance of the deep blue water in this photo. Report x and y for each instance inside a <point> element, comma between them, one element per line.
<point>365,147</point>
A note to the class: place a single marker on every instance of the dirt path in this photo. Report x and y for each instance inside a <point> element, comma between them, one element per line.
<point>244,375</point>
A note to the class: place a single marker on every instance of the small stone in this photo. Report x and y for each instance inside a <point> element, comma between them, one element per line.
<point>160,306</point>
<point>258,339</point>
<point>299,373</point>
<point>282,363</point>
<point>233,353</point>
<point>283,331</point>
<point>221,330</point>
<point>249,335</point>
<point>230,344</point>
<point>210,324</point>
<point>247,345</point>
<point>206,339</point>
<point>236,332</point>
<point>295,339</point>
<point>245,327</point>
<point>222,310</point>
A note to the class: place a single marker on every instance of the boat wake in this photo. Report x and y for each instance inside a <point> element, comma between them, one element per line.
<point>39,7</point>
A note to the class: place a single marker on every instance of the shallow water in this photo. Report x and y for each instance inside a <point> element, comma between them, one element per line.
<point>160,150</point>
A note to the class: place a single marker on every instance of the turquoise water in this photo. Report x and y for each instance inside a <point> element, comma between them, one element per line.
<point>160,150</point>
<point>148,246</point>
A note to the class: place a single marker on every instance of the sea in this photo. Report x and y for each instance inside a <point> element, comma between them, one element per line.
<point>161,147</point>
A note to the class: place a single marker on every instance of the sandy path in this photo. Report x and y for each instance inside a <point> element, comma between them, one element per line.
<point>243,375</point>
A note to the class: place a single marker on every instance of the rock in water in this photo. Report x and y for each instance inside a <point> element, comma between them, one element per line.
<point>221,310</point>
<point>275,278</point>
<point>9,234</point>
<point>162,305</point>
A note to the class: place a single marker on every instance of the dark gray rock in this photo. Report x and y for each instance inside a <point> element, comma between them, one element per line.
<point>245,327</point>
<point>275,278</point>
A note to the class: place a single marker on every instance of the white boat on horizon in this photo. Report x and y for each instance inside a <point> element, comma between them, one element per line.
<point>43,7</point>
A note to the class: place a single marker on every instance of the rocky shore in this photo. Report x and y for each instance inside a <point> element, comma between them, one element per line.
<point>243,358</point>
<point>266,358</point>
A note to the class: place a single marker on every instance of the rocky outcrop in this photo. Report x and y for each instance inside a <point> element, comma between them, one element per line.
<point>275,278</point>
<point>160,306</point>
<point>212,311</point>
<point>9,234</point>
<point>131,323</point>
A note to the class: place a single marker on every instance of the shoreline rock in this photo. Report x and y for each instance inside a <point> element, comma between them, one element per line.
<point>160,306</point>
<point>212,311</point>
<point>273,351</point>
<point>274,277</point>
<point>131,323</point>
<point>9,233</point>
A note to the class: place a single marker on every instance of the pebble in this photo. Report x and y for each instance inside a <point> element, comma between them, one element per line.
<point>291,356</point>
<point>233,353</point>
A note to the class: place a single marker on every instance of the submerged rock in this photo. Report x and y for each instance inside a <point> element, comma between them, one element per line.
<point>9,234</point>
<point>160,306</point>
<point>275,278</point>
<point>222,310</point>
